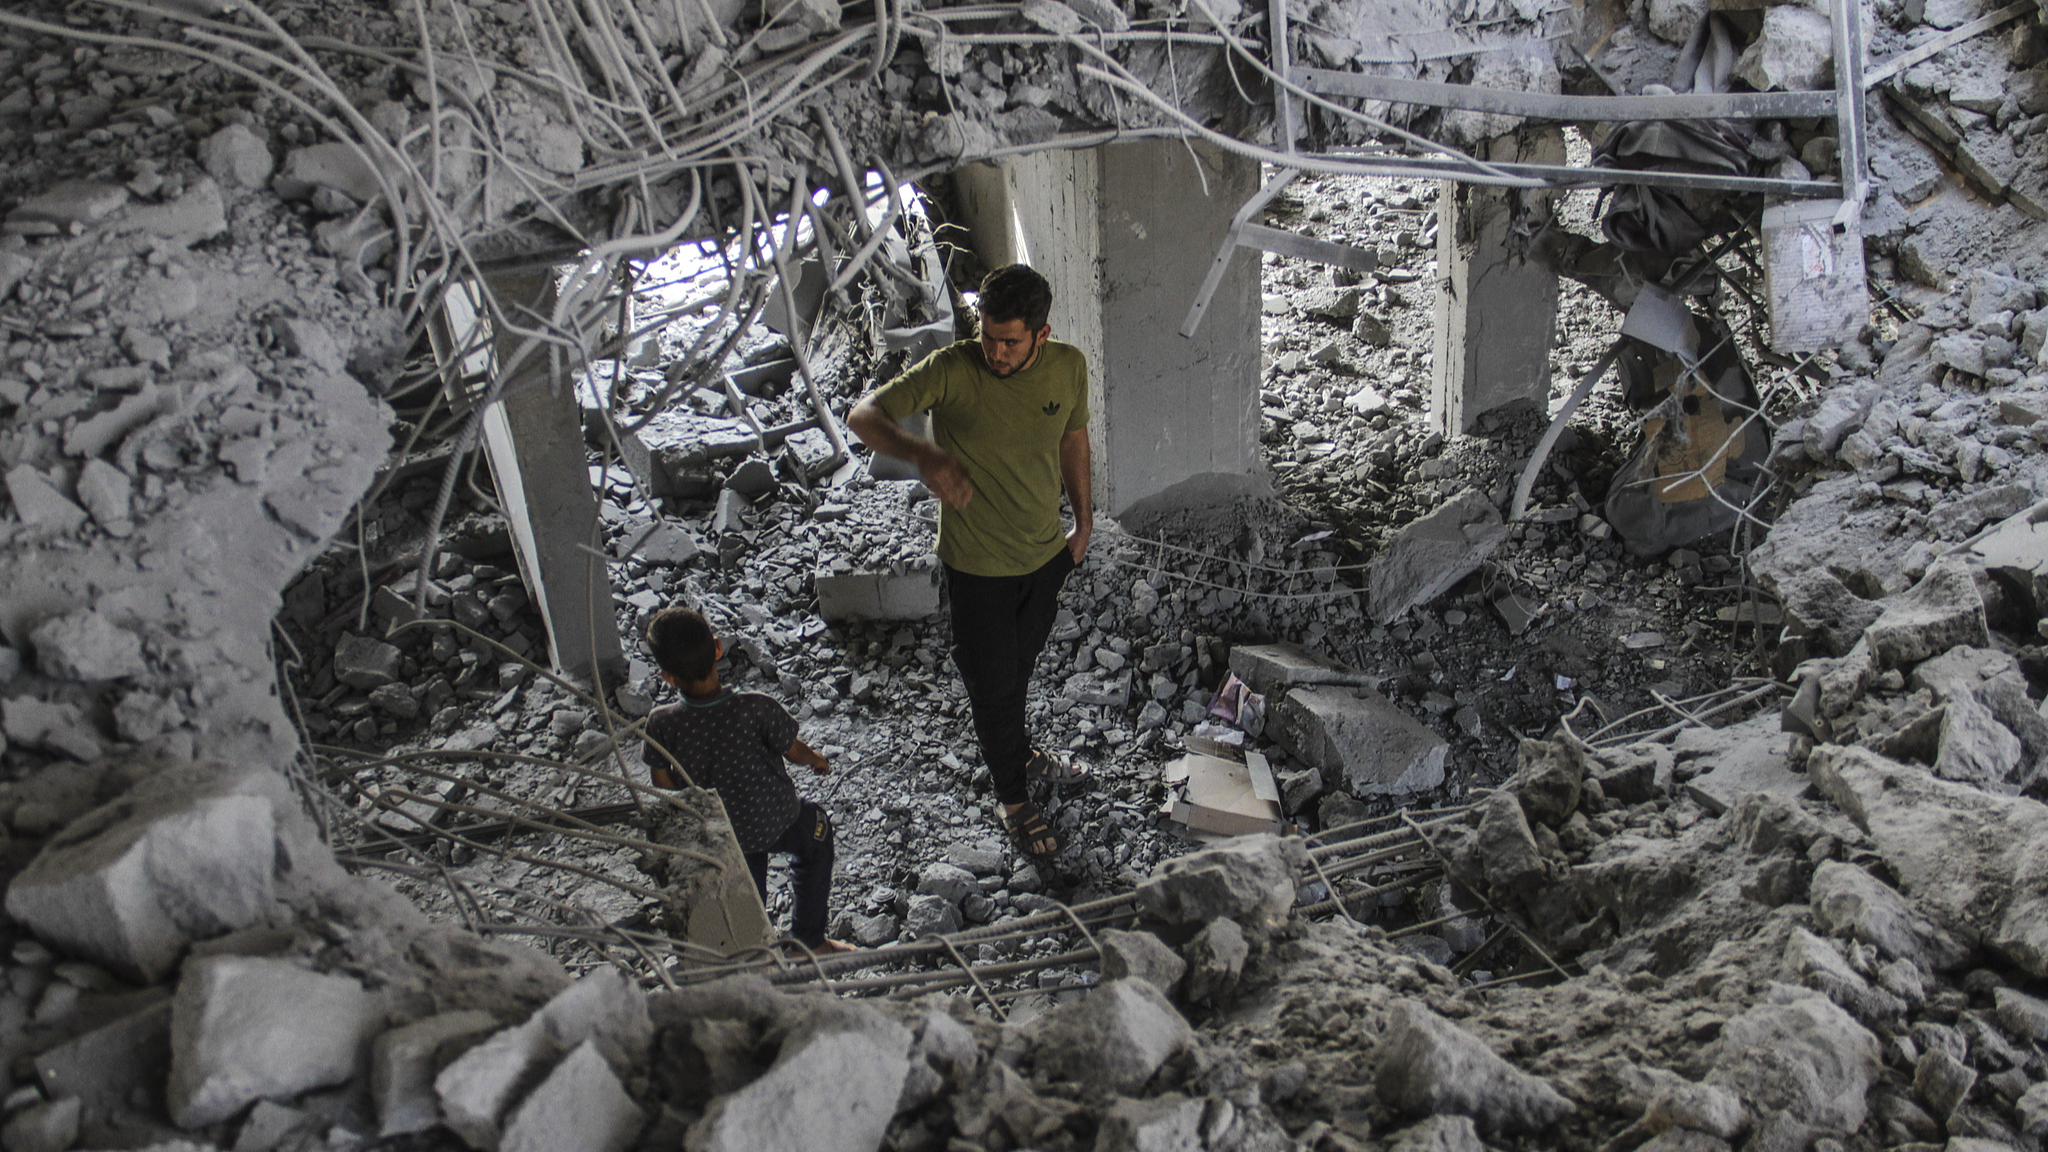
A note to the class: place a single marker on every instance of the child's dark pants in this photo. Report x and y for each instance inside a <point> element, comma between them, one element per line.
<point>808,842</point>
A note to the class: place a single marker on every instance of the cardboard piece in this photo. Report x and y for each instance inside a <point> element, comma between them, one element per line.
<point>1218,790</point>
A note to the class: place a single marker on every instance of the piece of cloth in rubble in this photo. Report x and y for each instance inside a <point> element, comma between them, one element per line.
<point>1701,454</point>
<point>1641,218</point>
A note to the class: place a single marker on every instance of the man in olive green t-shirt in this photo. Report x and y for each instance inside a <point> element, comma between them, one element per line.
<point>1009,431</point>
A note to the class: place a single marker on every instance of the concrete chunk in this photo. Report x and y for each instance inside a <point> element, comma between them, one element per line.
<point>1975,747</point>
<point>881,595</point>
<point>1733,762</point>
<point>1847,901</point>
<point>403,1062</point>
<point>1216,959</point>
<point>1433,553</point>
<point>38,502</point>
<point>1943,610</point>
<point>182,856</point>
<point>1795,52</point>
<point>479,1088</point>
<point>85,645</point>
<point>833,1088</point>
<point>1115,1038</point>
<point>1270,669</point>
<point>1166,1122</point>
<point>1140,954</point>
<point>580,1107</point>
<point>1429,1066</point>
<point>104,1067</point>
<point>1970,858</point>
<point>243,1029</point>
<point>1799,1054</point>
<point>334,165</point>
<point>361,662</point>
<point>51,1126</point>
<point>1249,879</point>
<point>236,157</point>
<point>1374,748</point>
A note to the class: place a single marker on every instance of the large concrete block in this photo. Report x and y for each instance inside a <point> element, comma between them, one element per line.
<point>833,1088</point>
<point>479,1088</point>
<point>183,856</point>
<point>245,1029</point>
<point>1360,738</point>
<point>580,1107</point>
<point>404,1061</point>
<point>881,595</point>
<point>1115,1039</point>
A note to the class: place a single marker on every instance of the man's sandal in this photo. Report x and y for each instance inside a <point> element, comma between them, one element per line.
<point>1043,766</point>
<point>1027,828</point>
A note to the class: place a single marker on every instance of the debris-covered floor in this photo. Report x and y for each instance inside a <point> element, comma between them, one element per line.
<point>1733,845</point>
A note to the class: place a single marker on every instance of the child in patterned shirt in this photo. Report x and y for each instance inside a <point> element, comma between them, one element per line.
<point>734,743</point>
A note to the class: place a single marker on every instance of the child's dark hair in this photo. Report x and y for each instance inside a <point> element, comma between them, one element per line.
<point>1015,292</point>
<point>682,644</point>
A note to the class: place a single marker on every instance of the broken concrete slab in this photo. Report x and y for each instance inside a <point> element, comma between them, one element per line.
<point>1163,1122</point>
<point>1360,739</point>
<point>1114,1038</point>
<point>1433,553</point>
<point>580,1107</point>
<point>181,857</point>
<point>405,1060</point>
<point>1799,1055</point>
<point>878,595</point>
<point>1847,901</point>
<point>1818,603</point>
<point>1250,879</point>
<point>1429,1066</point>
<point>244,1028</point>
<point>833,1088</point>
<point>1976,862</point>
<point>1943,610</point>
<point>1732,762</point>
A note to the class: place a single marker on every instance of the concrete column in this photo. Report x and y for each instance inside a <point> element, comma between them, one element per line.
<point>1496,313</point>
<point>1125,234</point>
<point>533,439</point>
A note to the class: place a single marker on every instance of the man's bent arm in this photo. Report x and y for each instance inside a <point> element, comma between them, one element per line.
<point>1075,465</point>
<point>945,475</point>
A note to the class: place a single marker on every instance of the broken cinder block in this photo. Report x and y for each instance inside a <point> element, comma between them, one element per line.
<point>1373,747</point>
<point>1270,669</point>
<point>878,595</point>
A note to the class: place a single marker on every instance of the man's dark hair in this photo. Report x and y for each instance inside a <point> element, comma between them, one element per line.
<point>682,644</point>
<point>1015,292</point>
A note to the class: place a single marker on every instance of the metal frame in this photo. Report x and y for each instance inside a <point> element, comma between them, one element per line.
<point>1844,104</point>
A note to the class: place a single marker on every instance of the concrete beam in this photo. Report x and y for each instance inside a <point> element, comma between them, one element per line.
<point>1175,419</point>
<point>533,439</point>
<point>1496,312</point>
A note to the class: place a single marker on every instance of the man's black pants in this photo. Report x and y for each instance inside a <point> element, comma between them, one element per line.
<point>809,843</point>
<point>999,626</point>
